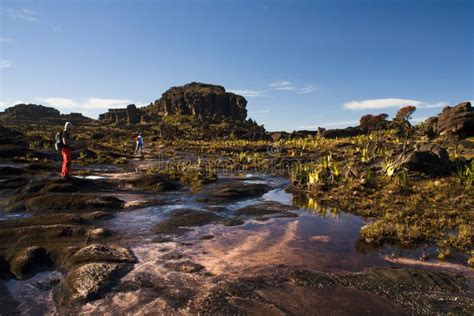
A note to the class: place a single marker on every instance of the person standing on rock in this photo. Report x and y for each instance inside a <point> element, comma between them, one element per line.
<point>139,141</point>
<point>66,150</point>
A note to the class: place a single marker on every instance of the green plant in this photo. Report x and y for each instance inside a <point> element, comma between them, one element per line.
<point>466,174</point>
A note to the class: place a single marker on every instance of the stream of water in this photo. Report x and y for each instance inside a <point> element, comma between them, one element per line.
<point>194,262</point>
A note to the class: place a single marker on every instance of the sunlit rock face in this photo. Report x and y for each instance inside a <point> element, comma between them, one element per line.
<point>205,101</point>
<point>457,121</point>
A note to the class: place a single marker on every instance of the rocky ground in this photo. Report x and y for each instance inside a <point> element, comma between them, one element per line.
<point>355,221</point>
<point>64,225</point>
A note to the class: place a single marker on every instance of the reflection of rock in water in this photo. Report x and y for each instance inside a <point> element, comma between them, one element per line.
<point>250,249</point>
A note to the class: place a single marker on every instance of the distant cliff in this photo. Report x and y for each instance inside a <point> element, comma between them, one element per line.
<point>40,113</point>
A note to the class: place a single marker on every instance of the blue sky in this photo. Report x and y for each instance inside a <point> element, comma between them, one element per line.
<point>300,64</point>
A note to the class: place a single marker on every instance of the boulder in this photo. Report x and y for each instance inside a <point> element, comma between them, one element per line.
<point>70,203</point>
<point>29,261</point>
<point>428,159</point>
<point>87,282</point>
<point>102,253</point>
<point>457,121</point>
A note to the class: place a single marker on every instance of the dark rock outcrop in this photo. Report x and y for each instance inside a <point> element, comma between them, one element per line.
<point>204,101</point>
<point>342,132</point>
<point>130,115</point>
<point>29,261</point>
<point>40,113</point>
<point>429,159</point>
<point>31,111</point>
<point>457,121</point>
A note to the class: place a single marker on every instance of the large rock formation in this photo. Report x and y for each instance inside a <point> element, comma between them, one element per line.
<point>130,115</point>
<point>455,121</point>
<point>204,101</point>
<point>31,111</point>
<point>39,113</point>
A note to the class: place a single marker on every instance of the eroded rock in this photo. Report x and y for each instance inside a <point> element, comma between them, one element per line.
<point>88,282</point>
<point>29,261</point>
<point>101,253</point>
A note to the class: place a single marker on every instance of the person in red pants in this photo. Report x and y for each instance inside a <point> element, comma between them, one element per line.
<point>66,150</point>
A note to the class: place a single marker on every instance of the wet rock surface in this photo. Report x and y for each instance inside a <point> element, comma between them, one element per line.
<point>99,252</point>
<point>265,208</point>
<point>236,192</point>
<point>87,282</point>
<point>178,220</point>
<point>382,291</point>
<point>29,261</point>
<point>71,232</point>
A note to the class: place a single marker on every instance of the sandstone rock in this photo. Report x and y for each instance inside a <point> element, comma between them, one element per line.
<point>130,115</point>
<point>97,233</point>
<point>430,126</point>
<point>101,253</point>
<point>265,208</point>
<point>71,203</point>
<point>204,101</point>
<point>29,261</point>
<point>429,159</point>
<point>31,112</point>
<point>455,121</point>
<point>87,282</point>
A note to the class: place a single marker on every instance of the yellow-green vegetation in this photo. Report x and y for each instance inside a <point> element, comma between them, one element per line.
<point>361,175</point>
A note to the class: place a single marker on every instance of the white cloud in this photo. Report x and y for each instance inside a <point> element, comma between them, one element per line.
<point>96,103</point>
<point>6,64</point>
<point>305,90</point>
<point>279,84</point>
<point>389,103</point>
<point>248,93</point>
<point>89,107</point>
<point>20,14</point>
<point>288,86</point>
<point>60,102</point>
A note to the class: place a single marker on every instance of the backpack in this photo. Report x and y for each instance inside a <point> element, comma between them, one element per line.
<point>58,141</point>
